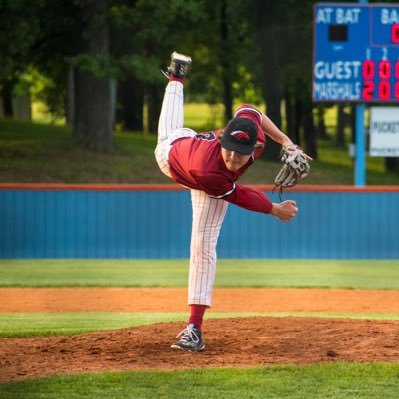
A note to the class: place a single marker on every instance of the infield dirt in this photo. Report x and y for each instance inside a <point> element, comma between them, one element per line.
<point>245,341</point>
<point>175,300</point>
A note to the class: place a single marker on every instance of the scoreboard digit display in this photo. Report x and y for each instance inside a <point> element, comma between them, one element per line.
<point>356,53</point>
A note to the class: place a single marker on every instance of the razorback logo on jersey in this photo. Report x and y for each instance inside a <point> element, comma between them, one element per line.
<point>241,136</point>
<point>209,136</point>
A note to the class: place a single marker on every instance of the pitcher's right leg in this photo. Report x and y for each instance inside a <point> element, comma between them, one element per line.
<point>172,111</point>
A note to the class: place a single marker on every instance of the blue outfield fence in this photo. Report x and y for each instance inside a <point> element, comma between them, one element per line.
<point>39,221</point>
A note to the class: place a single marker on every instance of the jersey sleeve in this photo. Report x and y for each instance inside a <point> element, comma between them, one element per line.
<point>250,198</point>
<point>248,111</point>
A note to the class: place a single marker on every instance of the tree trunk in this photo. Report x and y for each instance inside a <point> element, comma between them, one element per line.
<point>93,102</point>
<point>309,129</point>
<point>93,123</point>
<point>340,136</point>
<point>271,88</point>
<point>353,123</point>
<point>321,126</point>
<point>71,96</point>
<point>131,97</point>
<point>154,103</point>
<point>7,99</point>
<point>289,114</point>
<point>296,137</point>
<point>226,64</point>
<point>392,164</point>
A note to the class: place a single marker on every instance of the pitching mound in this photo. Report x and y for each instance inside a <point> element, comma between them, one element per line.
<point>229,343</point>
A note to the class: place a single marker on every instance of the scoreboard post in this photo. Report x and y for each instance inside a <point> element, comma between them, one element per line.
<point>356,60</point>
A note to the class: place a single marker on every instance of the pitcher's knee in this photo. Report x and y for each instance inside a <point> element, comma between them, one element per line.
<point>206,253</point>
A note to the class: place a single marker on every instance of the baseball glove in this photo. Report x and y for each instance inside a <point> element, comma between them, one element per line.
<point>296,167</point>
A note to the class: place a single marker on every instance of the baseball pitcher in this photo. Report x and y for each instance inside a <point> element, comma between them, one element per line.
<point>210,164</point>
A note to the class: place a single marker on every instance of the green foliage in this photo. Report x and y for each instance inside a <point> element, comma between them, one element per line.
<point>20,28</point>
<point>245,89</point>
<point>222,49</point>
<point>327,381</point>
<point>144,33</point>
<point>99,66</point>
<point>42,90</point>
<point>146,69</point>
<point>294,33</point>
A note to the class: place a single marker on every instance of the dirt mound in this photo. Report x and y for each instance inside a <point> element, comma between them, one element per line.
<point>229,342</point>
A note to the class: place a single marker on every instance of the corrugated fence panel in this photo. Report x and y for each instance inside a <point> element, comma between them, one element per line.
<point>328,225</point>
<point>157,224</point>
<point>94,224</point>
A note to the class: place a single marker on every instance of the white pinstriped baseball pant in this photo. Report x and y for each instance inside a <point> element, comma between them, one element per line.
<point>208,213</point>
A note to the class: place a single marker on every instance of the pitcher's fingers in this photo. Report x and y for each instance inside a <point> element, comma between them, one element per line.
<point>308,157</point>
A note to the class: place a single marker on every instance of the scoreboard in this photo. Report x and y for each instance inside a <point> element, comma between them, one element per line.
<point>356,53</point>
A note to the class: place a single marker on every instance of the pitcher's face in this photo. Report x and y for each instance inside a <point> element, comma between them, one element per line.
<point>234,160</point>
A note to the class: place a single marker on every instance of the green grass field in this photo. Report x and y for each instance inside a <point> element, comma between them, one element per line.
<point>338,380</point>
<point>360,274</point>
<point>333,381</point>
<point>35,152</point>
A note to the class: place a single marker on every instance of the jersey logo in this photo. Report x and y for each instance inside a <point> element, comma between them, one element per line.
<point>241,136</point>
<point>206,136</point>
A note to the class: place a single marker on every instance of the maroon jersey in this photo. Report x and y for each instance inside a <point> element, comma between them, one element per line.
<point>196,162</point>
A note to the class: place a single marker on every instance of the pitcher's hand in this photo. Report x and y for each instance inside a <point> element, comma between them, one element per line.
<point>284,211</point>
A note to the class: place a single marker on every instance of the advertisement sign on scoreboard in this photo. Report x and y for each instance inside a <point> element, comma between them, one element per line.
<point>356,53</point>
<point>384,131</point>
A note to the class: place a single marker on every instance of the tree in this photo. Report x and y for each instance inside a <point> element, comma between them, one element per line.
<point>283,47</point>
<point>225,62</point>
<point>340,126</point>
<point>266,12</point>
<point>321,124</point>
<point>47,33</point>
<point>295,44</point>
<point>19,30</point>
<point>94,112</point>
<point>392,164</point>
<point>144,34</point>
<point>130,108</point>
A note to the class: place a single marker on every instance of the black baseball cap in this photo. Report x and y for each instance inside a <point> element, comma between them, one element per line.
<point>240,135</point>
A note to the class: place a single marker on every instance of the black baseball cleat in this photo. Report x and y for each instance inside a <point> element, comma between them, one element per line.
<point>190,339</point>
<point>178,66</point>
